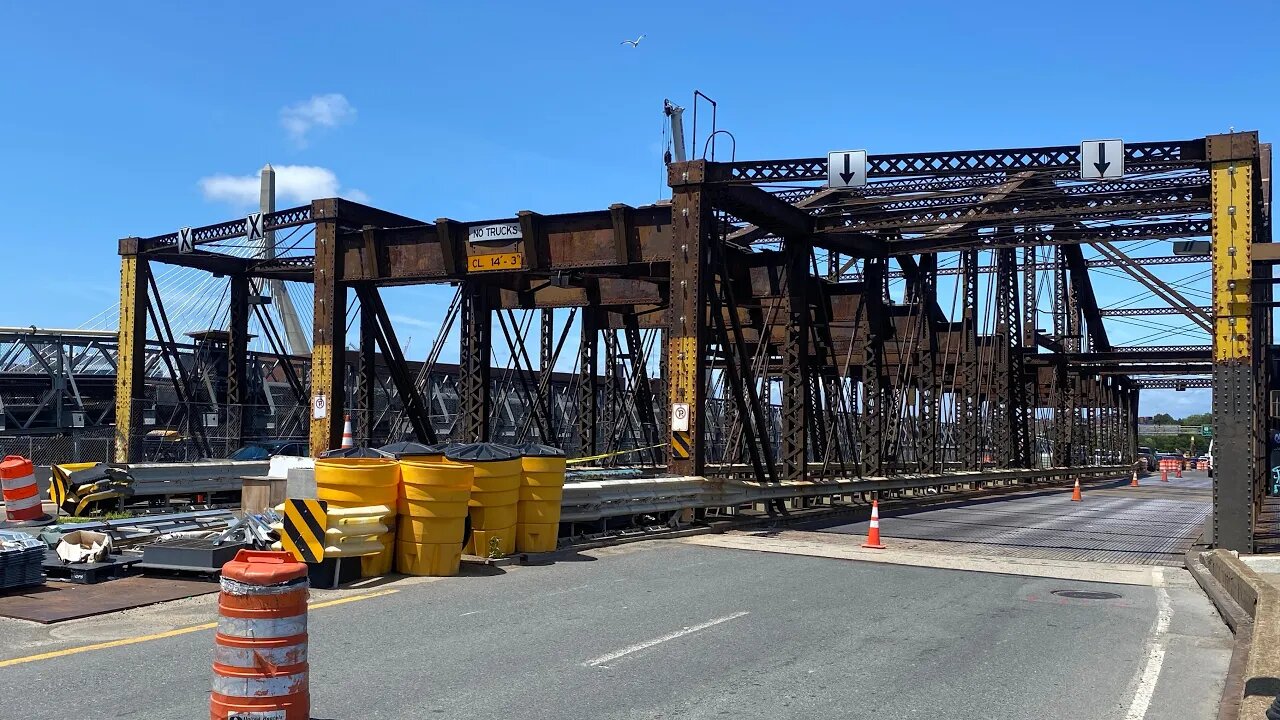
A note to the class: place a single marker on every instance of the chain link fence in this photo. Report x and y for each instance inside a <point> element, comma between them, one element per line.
<point>195,431</point>
<point>91,446</point>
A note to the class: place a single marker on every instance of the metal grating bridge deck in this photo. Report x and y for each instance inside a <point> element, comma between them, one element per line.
<point>1154,524</point>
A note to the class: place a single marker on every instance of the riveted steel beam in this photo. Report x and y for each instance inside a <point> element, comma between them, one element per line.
<point>131,348</point>
<point>1237,399</point>
<point>329,332</point>
<point>1138,156</point>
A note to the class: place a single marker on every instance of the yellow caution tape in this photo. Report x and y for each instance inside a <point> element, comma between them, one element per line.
<point>612,454</point>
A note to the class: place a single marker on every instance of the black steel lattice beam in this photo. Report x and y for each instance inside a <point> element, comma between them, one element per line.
<point>1139,156</point>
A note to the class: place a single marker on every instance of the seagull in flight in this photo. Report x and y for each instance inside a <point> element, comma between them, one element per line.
<point>633,43</point>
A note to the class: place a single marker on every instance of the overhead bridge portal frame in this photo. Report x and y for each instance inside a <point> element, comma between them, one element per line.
<point>803,333</point>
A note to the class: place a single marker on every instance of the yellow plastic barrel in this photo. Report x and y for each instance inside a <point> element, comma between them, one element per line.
<point>433,517</point>
<point>346,482</point>
<point>495,494</point>
<point>542,470</point>
<point>357,481</point>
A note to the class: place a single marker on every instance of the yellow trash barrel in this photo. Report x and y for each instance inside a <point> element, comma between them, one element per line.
<point>495,493</point>
<point>433,516</point>
<point>358,477</point>
<point>542,470</point>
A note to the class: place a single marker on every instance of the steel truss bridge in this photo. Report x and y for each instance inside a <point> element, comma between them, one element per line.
<point>63,382</point>
<point>942,321</point>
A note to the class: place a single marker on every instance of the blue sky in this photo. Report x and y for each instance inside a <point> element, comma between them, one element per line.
<point>116,112</point>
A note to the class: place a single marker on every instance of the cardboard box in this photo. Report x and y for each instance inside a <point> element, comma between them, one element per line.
<point>80,546</point>
<point>260,493</point>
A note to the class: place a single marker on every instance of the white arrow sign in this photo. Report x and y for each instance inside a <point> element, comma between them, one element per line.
<point>847,168</point>
<point>186,241</point>
<point>1101,159</point>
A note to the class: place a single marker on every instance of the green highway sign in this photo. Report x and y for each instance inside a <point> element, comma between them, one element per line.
<point>1206,430</point>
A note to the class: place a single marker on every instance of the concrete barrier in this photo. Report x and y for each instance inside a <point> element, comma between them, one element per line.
<point>1253,680</point>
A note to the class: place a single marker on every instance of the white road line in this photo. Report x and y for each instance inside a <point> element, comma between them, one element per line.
<point>1145,685</point>
<point>473,612</point>
<point>659,640</point>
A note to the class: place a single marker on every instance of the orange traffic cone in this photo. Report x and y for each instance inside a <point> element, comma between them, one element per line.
<point>1133,482</point>
<point>1164,476</point>
<point>348,438</point>
<point>1075,494</point>
<point>873,533</point>
<point>1178,472</point>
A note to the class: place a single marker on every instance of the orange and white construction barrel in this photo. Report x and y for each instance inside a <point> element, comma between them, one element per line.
<point>260,653</point>
<point>20,492</point>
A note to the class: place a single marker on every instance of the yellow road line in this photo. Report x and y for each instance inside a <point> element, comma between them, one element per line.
<point>351,598</point>
<point>169,633</point>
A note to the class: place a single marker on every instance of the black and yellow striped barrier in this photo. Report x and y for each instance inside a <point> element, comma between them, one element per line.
<point>681,444</point>
<point>305,522</point>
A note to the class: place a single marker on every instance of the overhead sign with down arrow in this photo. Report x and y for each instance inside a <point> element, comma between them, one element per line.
<point>847,168</point>
<point>1101,159</point>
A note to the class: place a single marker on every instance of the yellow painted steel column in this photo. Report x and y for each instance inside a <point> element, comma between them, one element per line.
<point>329,332</point>
<point>1231,184</point>
<point>687,317</point>
<point>1239,450</point>
<point>130,348</point>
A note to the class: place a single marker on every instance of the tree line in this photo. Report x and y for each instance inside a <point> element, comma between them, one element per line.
<point>1194,444</point>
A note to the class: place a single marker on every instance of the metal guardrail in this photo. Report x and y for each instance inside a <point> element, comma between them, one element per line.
<point>592,494</point>
<point>590,501</point>
<point>206,476</point>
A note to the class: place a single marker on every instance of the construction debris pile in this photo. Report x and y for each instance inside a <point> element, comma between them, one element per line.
<point>415,508</point>
<point>191,542</point>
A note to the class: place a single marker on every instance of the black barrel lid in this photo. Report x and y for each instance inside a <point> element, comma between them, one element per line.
<point>533,449</point>
<point>411,449</point>
<point>481,452</point>
<point>353,452</point>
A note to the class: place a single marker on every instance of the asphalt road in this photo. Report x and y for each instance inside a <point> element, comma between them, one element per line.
<point>1154,524</point>
<point>673,630</point>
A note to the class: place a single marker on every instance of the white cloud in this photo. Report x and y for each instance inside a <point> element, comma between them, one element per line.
<point>413,322</point>
<point>321,111</point>
<point>295,185</point>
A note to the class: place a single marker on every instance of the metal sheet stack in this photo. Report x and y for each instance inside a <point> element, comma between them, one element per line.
<point>21,560</point>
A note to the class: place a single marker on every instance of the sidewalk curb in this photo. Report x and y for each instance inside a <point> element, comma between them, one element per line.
<point>1241,625</point>
<point>1251,606</point>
